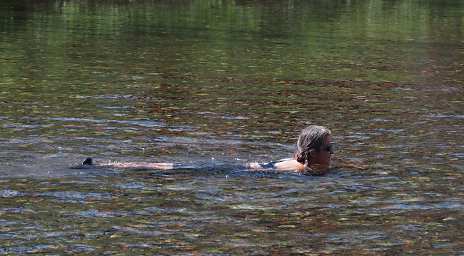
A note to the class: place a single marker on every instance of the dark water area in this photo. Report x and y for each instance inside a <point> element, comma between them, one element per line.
<point>216,84</point>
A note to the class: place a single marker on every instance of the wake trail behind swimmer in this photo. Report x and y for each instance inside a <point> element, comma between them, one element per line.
<point>89,163</point>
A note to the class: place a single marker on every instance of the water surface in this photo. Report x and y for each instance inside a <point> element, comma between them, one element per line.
<point>216,84</point>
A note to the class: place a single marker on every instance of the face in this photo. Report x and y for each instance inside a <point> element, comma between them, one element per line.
<point>322,157</point>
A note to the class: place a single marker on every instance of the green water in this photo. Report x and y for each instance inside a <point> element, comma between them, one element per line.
<point>216,84</point>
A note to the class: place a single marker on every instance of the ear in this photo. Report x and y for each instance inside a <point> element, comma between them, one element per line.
<point>310,156</point>
<point>312,152</point>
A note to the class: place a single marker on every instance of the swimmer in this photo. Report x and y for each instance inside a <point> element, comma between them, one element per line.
<point>314,150</point>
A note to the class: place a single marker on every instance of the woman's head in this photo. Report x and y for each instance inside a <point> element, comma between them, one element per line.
<point>314,146</point>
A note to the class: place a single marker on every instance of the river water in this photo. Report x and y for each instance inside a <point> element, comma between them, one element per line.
<point>215,84</point>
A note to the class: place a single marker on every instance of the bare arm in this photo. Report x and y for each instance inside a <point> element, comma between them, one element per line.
<point>290,165</point>
<point>139,165</point>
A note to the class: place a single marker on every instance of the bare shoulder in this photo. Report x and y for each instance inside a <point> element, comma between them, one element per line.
<point>289,165</point>
<point>280,165</point>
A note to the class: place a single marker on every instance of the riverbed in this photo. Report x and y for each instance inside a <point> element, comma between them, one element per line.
<point>214,85</point>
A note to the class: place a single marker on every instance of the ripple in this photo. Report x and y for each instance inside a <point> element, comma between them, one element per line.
<point>143,123</point>
<point>131,185</point>
<point>81,248</point>
<point>425,206</point>
<point>443,116</point>
<point>457,155</point>
<point>39,248</point>
<point>17,210</point>
<point>10,193</point>
<point>356,236</point>
<point>99,214</point>
<point>158,210</point>
<point>358,136</point>
<point>105,97</point>
<point>410,227</point>
<point>74,196</point>
<point>137,231</point>
<point>20,126</point>
<point>250,207</point>
<point>219,116</point>
<point>6,223</point>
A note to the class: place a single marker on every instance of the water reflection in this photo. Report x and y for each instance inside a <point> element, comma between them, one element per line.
<point>214,84</point>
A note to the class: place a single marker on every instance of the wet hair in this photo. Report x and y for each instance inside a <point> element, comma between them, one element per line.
<point>311,138</point>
